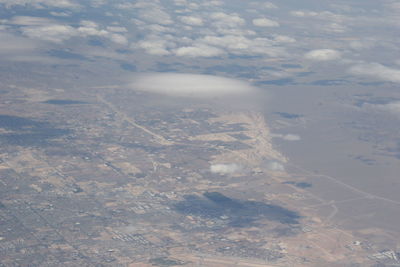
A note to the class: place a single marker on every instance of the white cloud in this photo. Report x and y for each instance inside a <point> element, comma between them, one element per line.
<point>264,22</point>
<point>376,70</point>
<point>53,33</point>
<point>40,3</point>
<point>291,137</point>
<point>242,45</point>
<point>116,29</point>
<point>31,21</point>
<point>118,38</point>
<point>275,166</point>
<point>336,27</point>
<point>328,21</point>
<point>212,3</point>
<point>227,20</point>
<point>268,5</point>
<point>225,168</point>
<point>301,13</point>
<point>156,45</point>
<point>193,21</point>
<point>154,13</point>
<point>60,14</point>
<point>190,85</point>
<point>156,28</point>
<point>393,107</point>
<point>47,30</point>
<point>284,39</point>
<point>362,44</point>
<point>323,55</point>
<point>231,42</point>
<point>199,51</point>
<point>287,137</point>
<point>186,4</point>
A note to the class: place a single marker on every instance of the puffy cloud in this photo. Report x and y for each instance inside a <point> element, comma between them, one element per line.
<point>287,137</point>
<point>28,20</point>
<point>376,70</point>
<point>118,38</point>
<point>156,45</point>
<point>231,42</point>
<point>227,20</point>
<point>116,29</point>
<point>41,3</point>
<point>323,55</point>
<point>53,33</point>
<point>47,30</point>
<point>153,12</point>
<point>264,22</point>
<point>268,5</point>
<point>242,45</point>
<point>324,15</point>
<point>156,28</point>
<point>186,4</point>
<point>284,39</point>
<point>60,14</point>
<point>199,51</point>
<point>225,168</point>
<point>190,85</point>
<point>301,13</point>
<point>193,21</point>
<point>275,166</point>
<point>393,107</point>
<point>362,44</point>
<point>336,27</point>
<point>291,137</point>
<point>335,22</point>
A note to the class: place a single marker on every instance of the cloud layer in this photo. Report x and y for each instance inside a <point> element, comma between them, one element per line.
<point>190,85</point>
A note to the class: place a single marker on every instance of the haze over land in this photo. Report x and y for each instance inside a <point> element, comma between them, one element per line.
<point>199,133</point>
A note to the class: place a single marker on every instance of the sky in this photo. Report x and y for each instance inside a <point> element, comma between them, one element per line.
<point>252,43</point>
<point>357,37</point>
